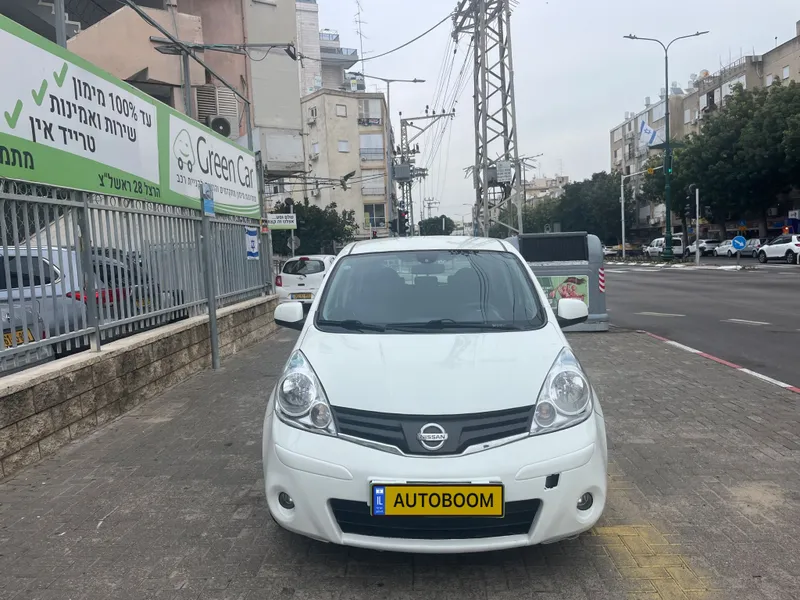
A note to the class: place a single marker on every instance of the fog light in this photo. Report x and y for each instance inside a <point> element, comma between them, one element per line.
<point>285,500</point>
<point>545,414</point>
<point>585,502</point>
<point>321,415</point>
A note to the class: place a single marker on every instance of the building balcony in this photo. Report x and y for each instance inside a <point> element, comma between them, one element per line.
<point>373,191</point>
<point>341,57</point>
<point>328,36</point>
<point>370,122</point>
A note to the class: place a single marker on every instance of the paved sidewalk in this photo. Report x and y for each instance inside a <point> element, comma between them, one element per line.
<point>167,502</point>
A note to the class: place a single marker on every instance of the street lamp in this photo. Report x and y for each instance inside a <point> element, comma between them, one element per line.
<point>667,254</point>
<point>390,161</point>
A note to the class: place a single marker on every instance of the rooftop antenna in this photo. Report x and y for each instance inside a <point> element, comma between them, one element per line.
<point>359,23</point>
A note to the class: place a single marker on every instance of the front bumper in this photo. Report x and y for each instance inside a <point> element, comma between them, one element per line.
<point>315,469</point>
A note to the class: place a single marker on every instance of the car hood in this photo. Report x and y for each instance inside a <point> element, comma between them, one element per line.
<point>437,373</point>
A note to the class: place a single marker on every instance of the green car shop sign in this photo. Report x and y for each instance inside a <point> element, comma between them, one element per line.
<point>65,123</point>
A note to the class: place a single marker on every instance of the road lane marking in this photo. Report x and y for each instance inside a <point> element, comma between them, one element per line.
<point>617,270</point>
<point>765,378</point>
<point>657,314</point>
<point>683,347</point>
<point>744,322</point>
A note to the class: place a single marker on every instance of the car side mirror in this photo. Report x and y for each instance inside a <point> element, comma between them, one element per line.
<point>571,311</point>
<point>290,315</point>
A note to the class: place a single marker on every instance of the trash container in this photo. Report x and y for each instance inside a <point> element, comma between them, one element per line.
<point>568,265</point>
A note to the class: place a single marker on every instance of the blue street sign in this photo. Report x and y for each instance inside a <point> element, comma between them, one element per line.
<point>738,242</point>
<point>742,223</point>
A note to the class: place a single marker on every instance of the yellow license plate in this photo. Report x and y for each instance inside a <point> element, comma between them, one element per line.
<point>301,296</point>
<point>20,337</point>
<point>437,500</point>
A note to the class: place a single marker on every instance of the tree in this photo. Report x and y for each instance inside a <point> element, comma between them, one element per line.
<point>593,205</point>
<point>433,226</point>
<point>318,228</point>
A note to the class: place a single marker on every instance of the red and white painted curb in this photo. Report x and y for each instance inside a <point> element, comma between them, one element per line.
<point>602,275</point>
<point>721,361</point>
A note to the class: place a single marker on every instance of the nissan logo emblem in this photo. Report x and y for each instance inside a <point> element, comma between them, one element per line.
<point>432,436</point>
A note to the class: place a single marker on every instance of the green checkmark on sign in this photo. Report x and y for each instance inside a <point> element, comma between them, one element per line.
<point>39,98</point>
<point>60,77</point>
<point>12,119</point>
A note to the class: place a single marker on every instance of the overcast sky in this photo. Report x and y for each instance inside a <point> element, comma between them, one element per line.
<point>575,74</point>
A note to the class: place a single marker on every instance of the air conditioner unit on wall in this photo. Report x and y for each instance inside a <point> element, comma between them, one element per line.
<point>218,104</point>
<point>223,126</point>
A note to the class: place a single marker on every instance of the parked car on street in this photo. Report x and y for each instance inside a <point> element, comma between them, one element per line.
<point>707,247</point>
<point>390,428</point>
<point>753,244</point>
<point>656,247</point>
<point>786,247</point>
<point>725,249</point>
<point>301,277</point>
<point>22,325</point>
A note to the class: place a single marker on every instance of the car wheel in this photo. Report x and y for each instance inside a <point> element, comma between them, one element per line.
<point>762,257</point>
<point>729,254</point>
<point>790,257</point>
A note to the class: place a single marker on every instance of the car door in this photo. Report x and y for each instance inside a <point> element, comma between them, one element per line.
<point>777,247</point>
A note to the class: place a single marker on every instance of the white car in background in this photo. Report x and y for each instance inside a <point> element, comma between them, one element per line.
<point>784,247</point>
<point>301,277</point>
<point>391,427</point>
<point>725,249</point>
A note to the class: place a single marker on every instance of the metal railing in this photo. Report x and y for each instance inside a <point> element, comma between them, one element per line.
<point>78,270</point>
<point>371,153</point>
<point>342,51</point>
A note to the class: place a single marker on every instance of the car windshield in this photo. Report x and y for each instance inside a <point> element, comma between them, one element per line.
<point>430,292</point>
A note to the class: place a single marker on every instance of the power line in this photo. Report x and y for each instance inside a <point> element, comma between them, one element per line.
<point>408,43</point>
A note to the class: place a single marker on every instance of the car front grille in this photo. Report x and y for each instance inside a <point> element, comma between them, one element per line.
<point>354,517</point>
<point>463,431</point>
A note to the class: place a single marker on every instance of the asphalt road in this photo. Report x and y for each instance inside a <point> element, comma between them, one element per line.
<point>750,318</point>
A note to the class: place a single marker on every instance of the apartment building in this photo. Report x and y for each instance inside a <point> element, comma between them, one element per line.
<point>325,59</point>
<point>538,188</point>
<point>704,93</point>
<point>347,132</point>
<point>117,40</point>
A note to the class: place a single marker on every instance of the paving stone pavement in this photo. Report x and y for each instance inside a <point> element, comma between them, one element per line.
<point>167,501</point>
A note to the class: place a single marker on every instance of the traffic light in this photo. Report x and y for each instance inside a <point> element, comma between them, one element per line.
<point>402,223</point>
<point>687,211</point>
<point>668,162</point>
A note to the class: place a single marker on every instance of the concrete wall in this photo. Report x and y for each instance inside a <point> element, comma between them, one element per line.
<point>274,82</point>
<point>223,23</point>
<point>308,45</point>
<point>120,44</point>
<point>46,407</point>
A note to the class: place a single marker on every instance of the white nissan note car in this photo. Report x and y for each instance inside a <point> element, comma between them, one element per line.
<point>432,404</point>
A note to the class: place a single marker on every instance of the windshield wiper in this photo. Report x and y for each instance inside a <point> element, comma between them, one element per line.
<point>351,324</point>
<point>452,324</point>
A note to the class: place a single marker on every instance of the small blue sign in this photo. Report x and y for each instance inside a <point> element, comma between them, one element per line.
<point>378,500</point>
<point>742,223</point>
<point>207,196</point>
<point>738,243</point>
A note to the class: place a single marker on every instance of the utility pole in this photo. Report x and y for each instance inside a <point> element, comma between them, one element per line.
<point>61,23</point>
<point>488,22</point>
<point>389,137</point>
<point>408,171</point>
<point>667,254</point>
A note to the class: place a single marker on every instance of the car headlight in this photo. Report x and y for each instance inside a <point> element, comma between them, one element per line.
<point>300,400</point>
<point>565,398</point>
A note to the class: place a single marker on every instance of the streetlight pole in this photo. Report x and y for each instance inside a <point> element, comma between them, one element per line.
<point>667,254</point>
<point>389,159</point>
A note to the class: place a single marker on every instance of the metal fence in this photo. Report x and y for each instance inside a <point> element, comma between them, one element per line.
<point>78,270</point>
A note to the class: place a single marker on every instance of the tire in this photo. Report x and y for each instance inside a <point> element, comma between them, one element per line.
<point>762,257</point>
<point>729,254</point>
<point>791,257</point>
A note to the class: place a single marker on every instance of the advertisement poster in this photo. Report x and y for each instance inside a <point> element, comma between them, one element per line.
<point>565,286</point>
<point>66,123</point>
<point>282,221</point>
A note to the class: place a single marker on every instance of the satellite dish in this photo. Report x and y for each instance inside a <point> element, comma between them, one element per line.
<point>221,125</point>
